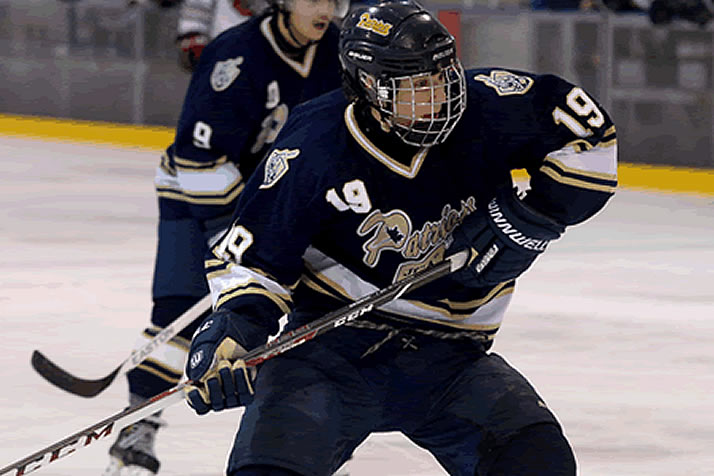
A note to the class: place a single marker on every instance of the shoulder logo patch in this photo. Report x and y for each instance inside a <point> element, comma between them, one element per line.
<point>276,165</point>
<point>376,25</point>
<point>506,83</point>
<point>225,72</point>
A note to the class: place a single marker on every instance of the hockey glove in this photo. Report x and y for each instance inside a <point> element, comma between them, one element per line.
<point>191,46</point>
<point>221,379</point>
<point>504,239</point>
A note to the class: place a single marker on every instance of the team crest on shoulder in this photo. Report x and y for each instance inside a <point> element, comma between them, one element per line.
<point>225,72</point>
<point>506,83</point>
<point>276,165</point>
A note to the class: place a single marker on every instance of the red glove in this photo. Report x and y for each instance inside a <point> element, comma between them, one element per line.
<point>190,48</point>
<point>242,8</point>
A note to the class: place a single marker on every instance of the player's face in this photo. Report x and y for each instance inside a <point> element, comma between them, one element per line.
<point>310,18</point>
<point>419,99</point>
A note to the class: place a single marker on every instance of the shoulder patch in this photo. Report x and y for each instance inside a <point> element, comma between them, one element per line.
<point>224,73</point>
<point>506,83</point>
<point>276,165</point>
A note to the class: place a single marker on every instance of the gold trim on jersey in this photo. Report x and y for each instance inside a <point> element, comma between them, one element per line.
<point>178,342</point>
<point>187,164</point>
<point>166,165</point>
<point>476,303</point>
<point>555,175</point>
<point>577,183</point>
<point>582,145</point>
<point>223,268</point>
<point>354,287</point>
<point>303,69</point>
<point>392,164</point>
<point>307,281</point>
<point>210,263</point>
<point>163,376</point>
<point>450,316</point>
<point>607,144</point>
<point>580,172</point>
<point>471,327</point>
<point>218,273</point>
<point>201,198</point>
<point>254,288</point>
<point>592,169</point>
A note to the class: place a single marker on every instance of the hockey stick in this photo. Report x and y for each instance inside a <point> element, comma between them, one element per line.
<point>91,388</point>
<point>272,349</point>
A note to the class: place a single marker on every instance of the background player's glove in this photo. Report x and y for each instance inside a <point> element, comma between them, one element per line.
<point>190,46</point>
<point>504,237</point>
<point>221,379</point>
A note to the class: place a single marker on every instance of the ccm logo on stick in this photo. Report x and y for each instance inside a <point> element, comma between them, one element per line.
<point>353,315</point>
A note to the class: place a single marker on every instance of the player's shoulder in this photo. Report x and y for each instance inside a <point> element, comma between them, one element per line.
<point>504,96</point>
<point>320,110</point>
<point>315,130</point>
<point>316,126</point>
<point>238,36</point>
<point>244,40</point>
<point>493,83</point>
<point>234,60</point>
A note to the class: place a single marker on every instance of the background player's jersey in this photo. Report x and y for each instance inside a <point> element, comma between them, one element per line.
<point>329,217</point>
<point>238,99</point>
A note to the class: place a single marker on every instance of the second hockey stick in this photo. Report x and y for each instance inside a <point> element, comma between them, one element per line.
<point>91,388</point>
<point>282,344</point>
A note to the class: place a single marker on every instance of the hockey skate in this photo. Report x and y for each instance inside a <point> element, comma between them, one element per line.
<point>132,454</point>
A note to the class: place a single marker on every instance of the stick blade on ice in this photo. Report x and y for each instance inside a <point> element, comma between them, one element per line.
<point>68,382</point>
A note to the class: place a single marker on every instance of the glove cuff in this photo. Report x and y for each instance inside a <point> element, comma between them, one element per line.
<point>520,226</point>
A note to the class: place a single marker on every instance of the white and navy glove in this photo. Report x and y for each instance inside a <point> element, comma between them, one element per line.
<point>219,374</point>
<point>504,238</point>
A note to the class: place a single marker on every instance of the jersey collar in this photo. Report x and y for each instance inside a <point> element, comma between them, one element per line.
<point>394,165</point>
<point>303,69</point>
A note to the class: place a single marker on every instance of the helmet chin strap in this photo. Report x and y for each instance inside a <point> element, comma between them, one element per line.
<point>385,123</point>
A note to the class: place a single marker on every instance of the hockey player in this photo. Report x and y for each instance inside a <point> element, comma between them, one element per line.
<point>358,192</point>
<point>201,20</point>
<point>248,81</point>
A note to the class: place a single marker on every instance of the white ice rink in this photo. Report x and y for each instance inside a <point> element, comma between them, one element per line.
<point>614,325</point>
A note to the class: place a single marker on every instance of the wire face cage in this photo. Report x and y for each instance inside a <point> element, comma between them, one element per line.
<point>424,108</point>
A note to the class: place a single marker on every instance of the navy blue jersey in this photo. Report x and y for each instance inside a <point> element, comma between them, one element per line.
<point>329,217</point>
<point>238,99</point>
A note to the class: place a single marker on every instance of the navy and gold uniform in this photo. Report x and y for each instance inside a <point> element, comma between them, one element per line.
<point>361,189</point>
<point>359,219</point>
<point>330,217</point>
<point>245,87</point>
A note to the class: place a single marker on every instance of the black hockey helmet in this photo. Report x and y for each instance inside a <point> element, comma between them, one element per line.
<point>391,53</point>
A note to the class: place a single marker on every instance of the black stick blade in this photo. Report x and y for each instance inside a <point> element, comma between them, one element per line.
<point>68,382</point>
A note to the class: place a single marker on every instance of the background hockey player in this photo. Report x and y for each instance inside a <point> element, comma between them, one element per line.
<point>202,20</point>
<point>357,193</point>
<point>249,80</point>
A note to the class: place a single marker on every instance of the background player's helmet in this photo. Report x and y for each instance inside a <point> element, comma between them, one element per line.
<point>386,49</point>
<point>286,6</point>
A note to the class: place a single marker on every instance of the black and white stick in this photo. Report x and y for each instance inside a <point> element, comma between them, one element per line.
<point>285,342</point>
<point>91,388</point>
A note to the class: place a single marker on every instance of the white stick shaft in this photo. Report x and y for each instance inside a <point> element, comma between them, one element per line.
<point>166,334</point>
